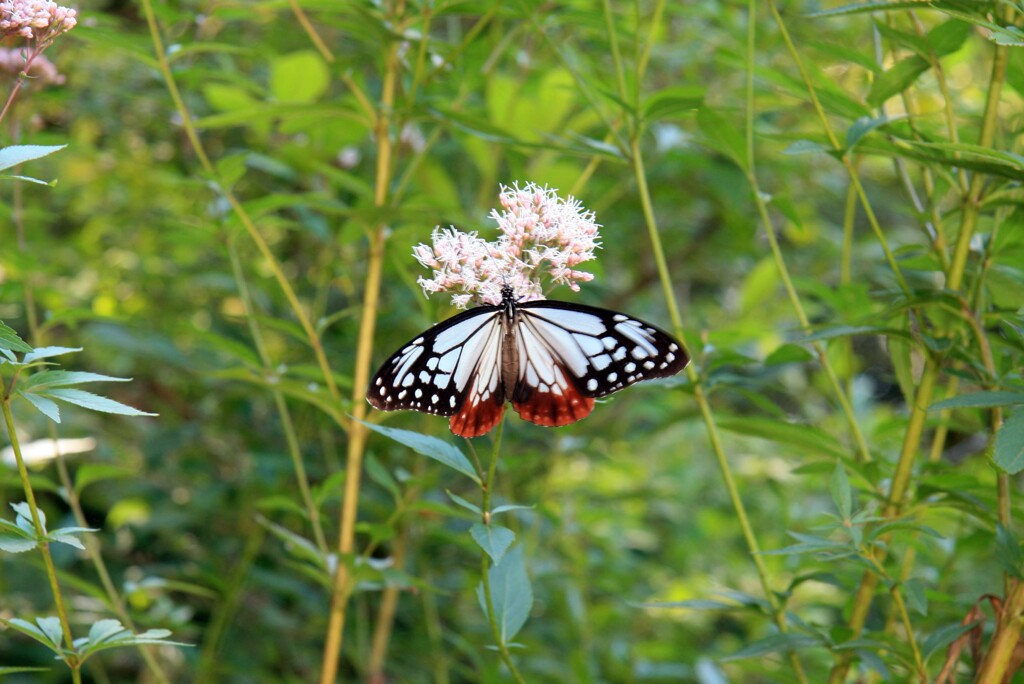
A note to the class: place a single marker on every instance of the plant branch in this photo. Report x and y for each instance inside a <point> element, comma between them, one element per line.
<point>364,348</point>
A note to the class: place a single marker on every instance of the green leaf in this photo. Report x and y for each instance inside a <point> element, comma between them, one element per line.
<point>67,535</point>
<point>50,626</point>
<point>673,100</point>
<point>842,495</point>
<point>862,126</point>
<point>94,402</point>
<point>901,355</point>
<point>97,472</point>
<point>948,37</point>
<point>473,508</point>
<point>1009,552</point>
<point>793,434</point>
<point>428,446</point>
<point>691,604</point>
<point>47,352</point>
<point>494,539</point>
<point>44,405</point>
<point>913,591</point>
<point>4,670</point>
<point>1009,449</point>
<point>15,539</point>
<point>62,378</point>
<point>511,594</point>
<point>847,331</point>
<point>34,630</point>
<point>901,75</point>
<point>24,517</point>
<point>979,400</point>
<point>17,154</point>
<point>379,474</point>
<point>774,643</point>
<point>509,507</point>
<point>10,340</point>
<point>944,636</point>
<point>298,77</point>
<point>101,630</point>
<point>723,135</point>
<point>862,7</point>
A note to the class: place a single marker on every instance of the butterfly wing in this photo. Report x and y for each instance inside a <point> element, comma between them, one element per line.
<point>452,369</point>
<point>571,354</point>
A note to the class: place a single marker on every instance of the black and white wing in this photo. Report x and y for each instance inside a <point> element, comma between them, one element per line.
<point>571,354</point>
<point>452,369</point>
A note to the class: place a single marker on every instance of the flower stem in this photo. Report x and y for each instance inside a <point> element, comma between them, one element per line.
<point>37,523</point>
<point>485,566</point>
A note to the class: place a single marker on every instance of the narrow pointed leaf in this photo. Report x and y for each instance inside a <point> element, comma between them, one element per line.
<point>431,447</point>
<point>45,406</point>
<point>841,492</point>
<point>95,402</point>
<point>47,352</point>
<point>979,400</point>
<point>10,340</point>
<point>775,643</point>
<point>61,378</point>
<point>17,154</point>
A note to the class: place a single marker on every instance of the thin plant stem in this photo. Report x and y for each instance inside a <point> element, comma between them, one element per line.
<point>485,566</point>
<point>13,95</point>
<point>1004,642</point>
<point>310,30</point>
<point>239,210</point>
<point>287,425</point>
<point>753,548</point>
<point>750,169</point>
<point>213,636</point>
<point>37,524</point>
<point>834,142</point>
<point>364,348</point>
<point>923,394</point>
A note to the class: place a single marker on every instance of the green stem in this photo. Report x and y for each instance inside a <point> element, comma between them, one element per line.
<point>287,426</point>
<point>341,587</point>
<point>834,142</point>
<point>243,216</point>
<point>863,453</point>
<point>492,617</point>
<point>705,408</point>
<point>37,523</point>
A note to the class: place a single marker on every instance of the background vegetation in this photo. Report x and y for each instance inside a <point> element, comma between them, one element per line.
<point>824,200</point>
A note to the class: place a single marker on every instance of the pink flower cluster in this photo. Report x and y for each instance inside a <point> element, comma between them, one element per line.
<point>42,20</point>
<point>541,235</point>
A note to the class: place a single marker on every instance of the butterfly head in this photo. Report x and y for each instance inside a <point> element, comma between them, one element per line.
<point>508,293</point>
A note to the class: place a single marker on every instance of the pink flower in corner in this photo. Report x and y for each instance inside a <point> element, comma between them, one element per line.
<point>541,235</point>
<point>41,20</point>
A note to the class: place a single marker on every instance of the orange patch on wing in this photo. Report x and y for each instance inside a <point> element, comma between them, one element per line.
<point>474,420</point>
<point>552,410</point>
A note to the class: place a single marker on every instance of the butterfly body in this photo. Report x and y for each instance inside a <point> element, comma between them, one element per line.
<point>550,359</point>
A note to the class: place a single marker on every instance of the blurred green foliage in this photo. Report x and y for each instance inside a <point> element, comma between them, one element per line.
<point>639,570</point>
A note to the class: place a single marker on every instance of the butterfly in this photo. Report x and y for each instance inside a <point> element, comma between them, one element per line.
<point>550,359</point>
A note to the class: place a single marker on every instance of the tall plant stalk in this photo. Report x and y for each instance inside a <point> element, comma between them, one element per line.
<point>364,348</point>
